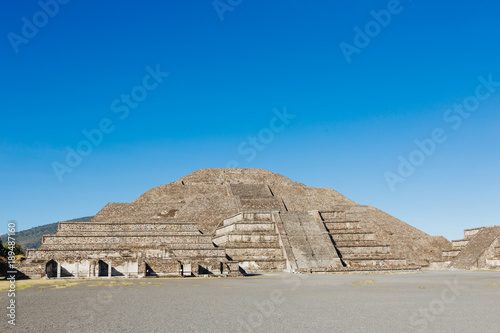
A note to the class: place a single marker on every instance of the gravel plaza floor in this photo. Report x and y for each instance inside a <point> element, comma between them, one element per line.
<point>428,301</point>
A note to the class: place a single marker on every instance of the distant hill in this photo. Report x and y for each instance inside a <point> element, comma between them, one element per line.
<point>32,238</point>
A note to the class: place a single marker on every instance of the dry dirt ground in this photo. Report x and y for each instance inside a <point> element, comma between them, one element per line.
<point>451,301</point>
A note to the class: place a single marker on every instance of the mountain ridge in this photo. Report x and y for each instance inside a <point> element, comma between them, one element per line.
<point>32,238</point>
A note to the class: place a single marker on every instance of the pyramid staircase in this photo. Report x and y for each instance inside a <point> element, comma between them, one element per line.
<point>357,245</point>
<point>307,242</point>
<point>480,248</point>
<point>251,238</point>
<point>458,245</point>
<point>311,249</point>
<point>494,260</point>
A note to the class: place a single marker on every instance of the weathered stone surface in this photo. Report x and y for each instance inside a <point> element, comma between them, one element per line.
<point>479,249</point>
<point>207,222</point>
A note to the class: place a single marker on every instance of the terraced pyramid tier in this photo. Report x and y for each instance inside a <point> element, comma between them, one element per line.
<point>226,221</point>
<point>251,238</point>
<point>479,249</point>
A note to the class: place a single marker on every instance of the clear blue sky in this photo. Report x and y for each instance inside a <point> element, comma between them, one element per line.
<point>353,120</point>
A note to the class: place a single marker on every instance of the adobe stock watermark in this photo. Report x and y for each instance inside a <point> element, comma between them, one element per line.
<point>454,117</point>
<point>120,106</point>
<point>421,319</point>
<point>30,27</point>
<point>95,303</point>
<point>265,309</point>
<point>223,6</point>
<point>373,28</point>
<point>255,143</point>
<point>11,272</point>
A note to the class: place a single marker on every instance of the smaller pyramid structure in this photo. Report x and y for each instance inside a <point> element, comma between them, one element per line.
<point>479,249</point>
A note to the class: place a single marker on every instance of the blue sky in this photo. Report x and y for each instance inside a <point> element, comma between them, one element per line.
<point>231,68</point>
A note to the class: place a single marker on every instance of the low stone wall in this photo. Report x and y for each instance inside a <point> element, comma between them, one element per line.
<point>257,216</point>
<point>255,253</point>
<point>121,267</point>
<point>159,239</point>
<point>250,190</point>
<point>159,267</point>
<point>459,244</point>
<point>353,236</point>
<point>365,250</point>
<point>378,263</point>
<point>253,238</point>
<point>469,233</point>
<point>124,227</point>
<point>333,226</point>
<point>233,219</point>
<point>255,266</point>
<point>264,204</point>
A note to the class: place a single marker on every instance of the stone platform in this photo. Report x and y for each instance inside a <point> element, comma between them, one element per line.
<point>225,222</point>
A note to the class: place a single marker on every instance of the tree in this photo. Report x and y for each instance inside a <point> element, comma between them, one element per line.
<point>18,249</point>
<point>3,252</point>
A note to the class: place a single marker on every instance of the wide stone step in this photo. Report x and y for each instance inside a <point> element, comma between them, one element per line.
<point>254,226</point>
<point>248,216</point>
<point>368,256</point>
<point>248,221</point>
<point>250,190</point>
<point>127,233</point>
<point>469,233</point>
<point>348,243</point>
<point>245,238</point>
<point>252,232</point>
<point>494,262</point>
<point>245,220</point>
<point>353,236</point>
<point>382,263</point>
<point>459,244</point>
<point>350,231</point>
<point>363,250</point>
<point>267,245</point>
<point>151,239</point>
<point>121,247</point>
<point>117,226</point>
<point>192,253</point>
<point>451,253</point>
<point>256,265</point>
<point>349,225</point>
<point>256,252</point>
<point>339,215</point>
<point>92,252</point>
<point>360,270</point>
<point>262,204</point>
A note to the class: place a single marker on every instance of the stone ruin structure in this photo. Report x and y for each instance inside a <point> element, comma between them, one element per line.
<point>223,222</point>
<point>479,249</point>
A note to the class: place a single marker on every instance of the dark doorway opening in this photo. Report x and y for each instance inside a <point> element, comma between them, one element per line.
<point>150,271</point>
<point>51,269</point>
<point>103,268</point>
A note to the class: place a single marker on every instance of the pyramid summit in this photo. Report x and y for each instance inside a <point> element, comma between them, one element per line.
<point>236,176</point>
<point>229,222</point>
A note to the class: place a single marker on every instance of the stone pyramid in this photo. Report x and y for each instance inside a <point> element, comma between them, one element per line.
<point>232,221</point>
<point>479,249</point>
